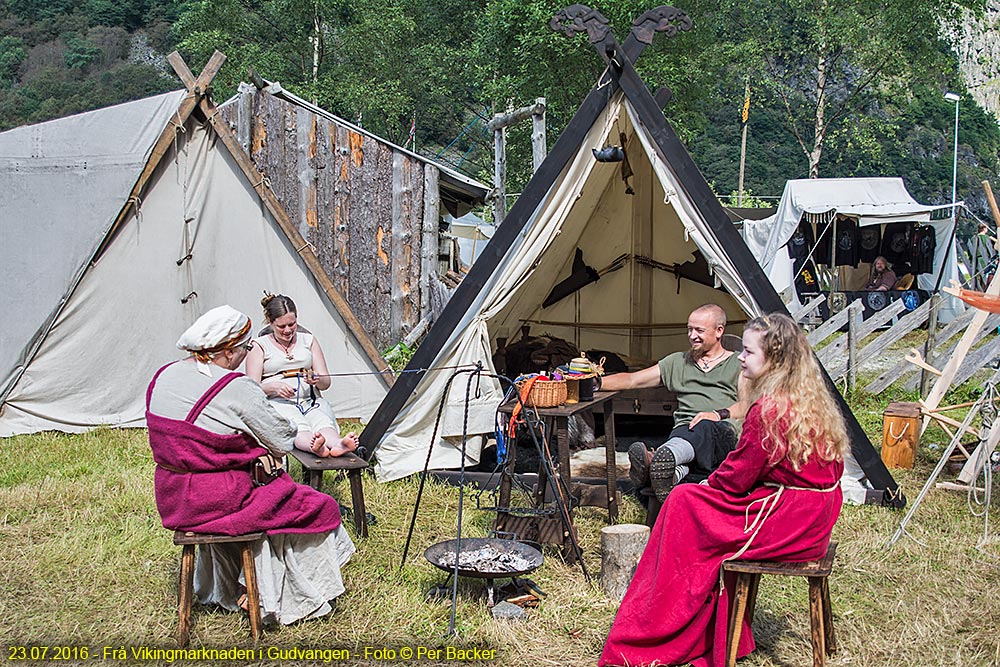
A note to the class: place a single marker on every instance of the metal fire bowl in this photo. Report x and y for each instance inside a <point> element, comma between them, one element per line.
<point>529,553</point>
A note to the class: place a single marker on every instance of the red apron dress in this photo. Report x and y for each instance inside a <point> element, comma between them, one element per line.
<point>203,481</point>
<point>674,612</point>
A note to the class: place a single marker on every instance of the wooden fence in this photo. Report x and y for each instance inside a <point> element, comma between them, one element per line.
<point>844,356</point>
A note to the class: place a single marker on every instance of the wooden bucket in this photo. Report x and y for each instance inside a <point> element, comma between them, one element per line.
<point>900,434</point>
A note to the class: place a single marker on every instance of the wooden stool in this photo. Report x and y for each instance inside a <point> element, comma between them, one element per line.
<point>313,468</point>
<point>745,597</point>
<point>185,594</point>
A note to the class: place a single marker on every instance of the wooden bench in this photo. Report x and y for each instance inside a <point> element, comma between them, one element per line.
<point>185,593</point>
<point>313,468</point>
<point>745,598</point>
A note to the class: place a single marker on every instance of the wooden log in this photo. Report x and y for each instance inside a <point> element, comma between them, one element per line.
<point>340,170</point>
<point>499,175</point>
<point>502,120</point>
<point>621,547</point>
<point>305,161</point>
<point>900,434</point>
<point>402,239</point>
<point>853,340</point>
<point>429,229</point>
<point>382,213</point>
<point>925,379</point>
<point>538,147</point>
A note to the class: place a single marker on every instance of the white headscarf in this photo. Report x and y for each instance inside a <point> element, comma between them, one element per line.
<point>219,329</point>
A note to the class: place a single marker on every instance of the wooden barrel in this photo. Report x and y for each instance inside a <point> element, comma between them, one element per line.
<point>900,434</point>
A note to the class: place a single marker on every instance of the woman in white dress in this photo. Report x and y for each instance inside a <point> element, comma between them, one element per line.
<point>288,363</point>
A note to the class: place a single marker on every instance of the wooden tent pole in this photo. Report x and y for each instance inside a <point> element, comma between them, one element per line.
<point>196,89</point>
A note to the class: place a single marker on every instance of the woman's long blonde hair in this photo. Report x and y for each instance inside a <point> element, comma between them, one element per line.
<point>801,419</point>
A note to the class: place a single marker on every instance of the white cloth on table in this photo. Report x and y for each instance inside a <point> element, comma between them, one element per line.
<point>298,574</point>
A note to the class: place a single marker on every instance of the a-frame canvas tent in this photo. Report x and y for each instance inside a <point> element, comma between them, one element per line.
<point>575,202</point>
<point>120,227</point>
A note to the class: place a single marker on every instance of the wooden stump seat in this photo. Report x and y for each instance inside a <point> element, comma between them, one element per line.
<point>185,593</point>
<point>313,468</point>
<point>745,598</point>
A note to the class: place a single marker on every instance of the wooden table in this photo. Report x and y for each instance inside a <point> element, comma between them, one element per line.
<point>551,530</point>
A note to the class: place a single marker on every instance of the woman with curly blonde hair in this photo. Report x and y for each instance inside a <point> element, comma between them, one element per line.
<point>775,497</point>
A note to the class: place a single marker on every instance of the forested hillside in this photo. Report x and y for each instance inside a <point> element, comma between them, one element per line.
<point>837,87</point>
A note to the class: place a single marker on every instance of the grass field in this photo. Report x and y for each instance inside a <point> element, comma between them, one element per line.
<point>84,562</point>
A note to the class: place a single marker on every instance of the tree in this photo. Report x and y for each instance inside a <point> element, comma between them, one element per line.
<point>825,60</point>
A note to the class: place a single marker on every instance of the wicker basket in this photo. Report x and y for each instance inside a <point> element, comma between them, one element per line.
<point>546,393</point>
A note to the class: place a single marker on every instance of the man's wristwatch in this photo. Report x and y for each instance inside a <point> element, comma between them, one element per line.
<point>723,413</point>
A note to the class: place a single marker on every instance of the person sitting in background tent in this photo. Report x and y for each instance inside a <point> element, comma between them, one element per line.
<point>776,497</point>
<point>289,363</point>
<point>882,277</point>
<point>705,379</point>
<point>208,427</point>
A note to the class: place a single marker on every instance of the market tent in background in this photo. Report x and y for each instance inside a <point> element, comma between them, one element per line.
<point>650,229</point>
<point>471,233</point>
<point>121,226</point>
<point>872,203</point>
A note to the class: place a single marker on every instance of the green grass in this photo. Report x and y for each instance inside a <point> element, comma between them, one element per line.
<point>85,561</point>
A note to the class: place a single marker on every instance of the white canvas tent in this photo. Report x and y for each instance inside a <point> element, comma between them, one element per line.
<point>587,208</point>
<point>872,201</point>
<point>96,299</point>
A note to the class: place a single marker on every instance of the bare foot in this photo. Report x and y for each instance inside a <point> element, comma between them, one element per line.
<point>318,445</point>
<point>347,444</point>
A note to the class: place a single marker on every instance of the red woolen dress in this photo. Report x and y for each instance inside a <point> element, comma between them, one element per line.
<point>674,612</point>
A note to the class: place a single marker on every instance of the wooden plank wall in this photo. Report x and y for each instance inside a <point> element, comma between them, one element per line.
<point>359,202</point>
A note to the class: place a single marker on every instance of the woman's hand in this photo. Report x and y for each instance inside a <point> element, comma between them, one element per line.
<point>278,390</point>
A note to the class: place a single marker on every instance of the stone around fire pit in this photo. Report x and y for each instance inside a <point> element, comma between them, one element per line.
<point>510,612</point>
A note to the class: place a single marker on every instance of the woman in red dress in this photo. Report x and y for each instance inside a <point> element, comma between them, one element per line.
<point>775,497</point>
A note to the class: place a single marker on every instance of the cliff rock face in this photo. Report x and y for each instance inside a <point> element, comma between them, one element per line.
<point>978,49</point>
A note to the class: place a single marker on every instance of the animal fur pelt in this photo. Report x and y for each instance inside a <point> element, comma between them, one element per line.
<point>592,463</point>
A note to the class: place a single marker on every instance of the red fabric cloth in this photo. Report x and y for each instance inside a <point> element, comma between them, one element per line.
<point>674,612</point>
<point>217,494</point>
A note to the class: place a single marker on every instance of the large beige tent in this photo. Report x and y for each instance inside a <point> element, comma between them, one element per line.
<point>587,208</point>
<point>111,248</point>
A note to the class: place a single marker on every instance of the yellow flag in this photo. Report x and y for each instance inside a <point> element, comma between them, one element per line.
<point>745,112</point>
